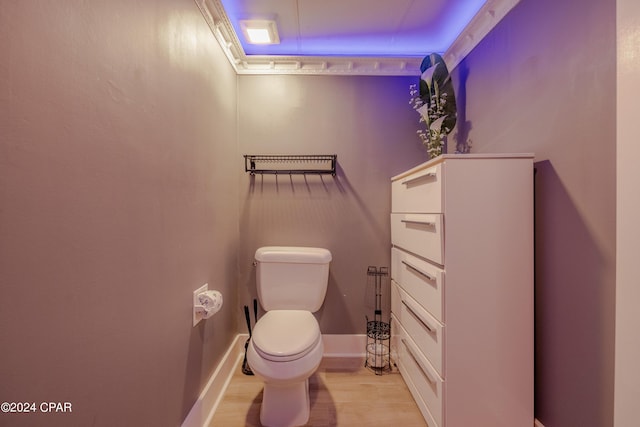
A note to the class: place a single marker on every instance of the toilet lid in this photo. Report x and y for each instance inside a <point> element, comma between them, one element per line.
<point>284,335</point>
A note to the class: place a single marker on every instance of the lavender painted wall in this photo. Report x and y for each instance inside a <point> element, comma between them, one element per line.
<point>117,200</point>
<point>368,123</point>
<point>121,191</point>
<point>543,81</point>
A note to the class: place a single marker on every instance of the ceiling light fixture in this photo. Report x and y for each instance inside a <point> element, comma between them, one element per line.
<point>260,31</point>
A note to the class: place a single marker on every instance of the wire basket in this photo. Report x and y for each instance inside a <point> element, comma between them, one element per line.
<point>378,330</point>
<point>377,355</point>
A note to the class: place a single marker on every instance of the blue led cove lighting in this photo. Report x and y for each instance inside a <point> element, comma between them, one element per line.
<point>418,42</point>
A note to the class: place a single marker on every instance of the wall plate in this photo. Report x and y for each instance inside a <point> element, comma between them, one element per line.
<point>197,317</point>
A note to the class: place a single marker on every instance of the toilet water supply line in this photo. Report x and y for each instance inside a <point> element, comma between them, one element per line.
<point>245,365</point>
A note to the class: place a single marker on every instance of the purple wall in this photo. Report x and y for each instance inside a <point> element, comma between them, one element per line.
<point>117,200</point>
<point>369,124</point>
<point>121,191</point>
<point>543,81</point>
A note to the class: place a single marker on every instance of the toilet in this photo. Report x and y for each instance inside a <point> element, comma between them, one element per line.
<point>286,345</point>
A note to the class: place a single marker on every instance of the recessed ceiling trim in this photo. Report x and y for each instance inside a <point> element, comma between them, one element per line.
<point>329,65</point>
<point>214,14</point>
<point>488,17</point>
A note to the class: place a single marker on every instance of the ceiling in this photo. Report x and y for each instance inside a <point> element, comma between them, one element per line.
<point>386,37</point>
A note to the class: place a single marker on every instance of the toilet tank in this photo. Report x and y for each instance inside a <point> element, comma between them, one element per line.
<point>292,278</point>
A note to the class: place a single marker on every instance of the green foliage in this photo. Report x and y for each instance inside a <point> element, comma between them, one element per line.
<point>435,102</point>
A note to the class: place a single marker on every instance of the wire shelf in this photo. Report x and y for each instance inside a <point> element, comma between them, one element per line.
<point>290,164</point>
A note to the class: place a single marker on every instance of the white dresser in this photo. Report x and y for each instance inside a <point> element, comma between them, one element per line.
<point>462,288</point>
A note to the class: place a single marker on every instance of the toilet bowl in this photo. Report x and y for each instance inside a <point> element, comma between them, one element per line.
<point>286,344</point>
<point>285,350</point>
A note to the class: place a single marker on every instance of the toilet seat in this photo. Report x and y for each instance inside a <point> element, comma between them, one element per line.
<point>285,335</point>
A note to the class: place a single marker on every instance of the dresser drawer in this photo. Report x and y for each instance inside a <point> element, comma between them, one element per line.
<point>424,282</point>
<point>421,234</point>
<point>424,382</point>
<point>423,328</point>
<point>419,192</point>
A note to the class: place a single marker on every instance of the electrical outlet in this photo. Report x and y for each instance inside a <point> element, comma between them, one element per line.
<point>197,317</point>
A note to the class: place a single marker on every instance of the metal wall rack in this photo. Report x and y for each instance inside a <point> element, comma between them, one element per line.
<point>290,164</point>
<point>378,332</point>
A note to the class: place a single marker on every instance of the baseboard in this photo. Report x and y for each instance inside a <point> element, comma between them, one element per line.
<point>344,345</point>
<point>202,411</point>
<point>537,423</point>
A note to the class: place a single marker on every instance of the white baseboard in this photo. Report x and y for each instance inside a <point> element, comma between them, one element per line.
<point>202,411</point>
<point>537,423</point>
<point>344,345</point>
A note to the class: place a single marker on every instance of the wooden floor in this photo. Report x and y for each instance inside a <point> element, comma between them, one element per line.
<point>343,393</point>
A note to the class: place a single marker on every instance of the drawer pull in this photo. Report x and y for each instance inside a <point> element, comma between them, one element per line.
<point>419,177</point>
<point>417,316</point>
<point>423,368</point>
<point>415,221</point>
<point>420,272</point>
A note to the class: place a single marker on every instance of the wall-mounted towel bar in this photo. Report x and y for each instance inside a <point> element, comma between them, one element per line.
<point>290,164</point>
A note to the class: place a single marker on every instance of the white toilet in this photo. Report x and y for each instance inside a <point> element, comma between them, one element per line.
<point>286,345</point>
